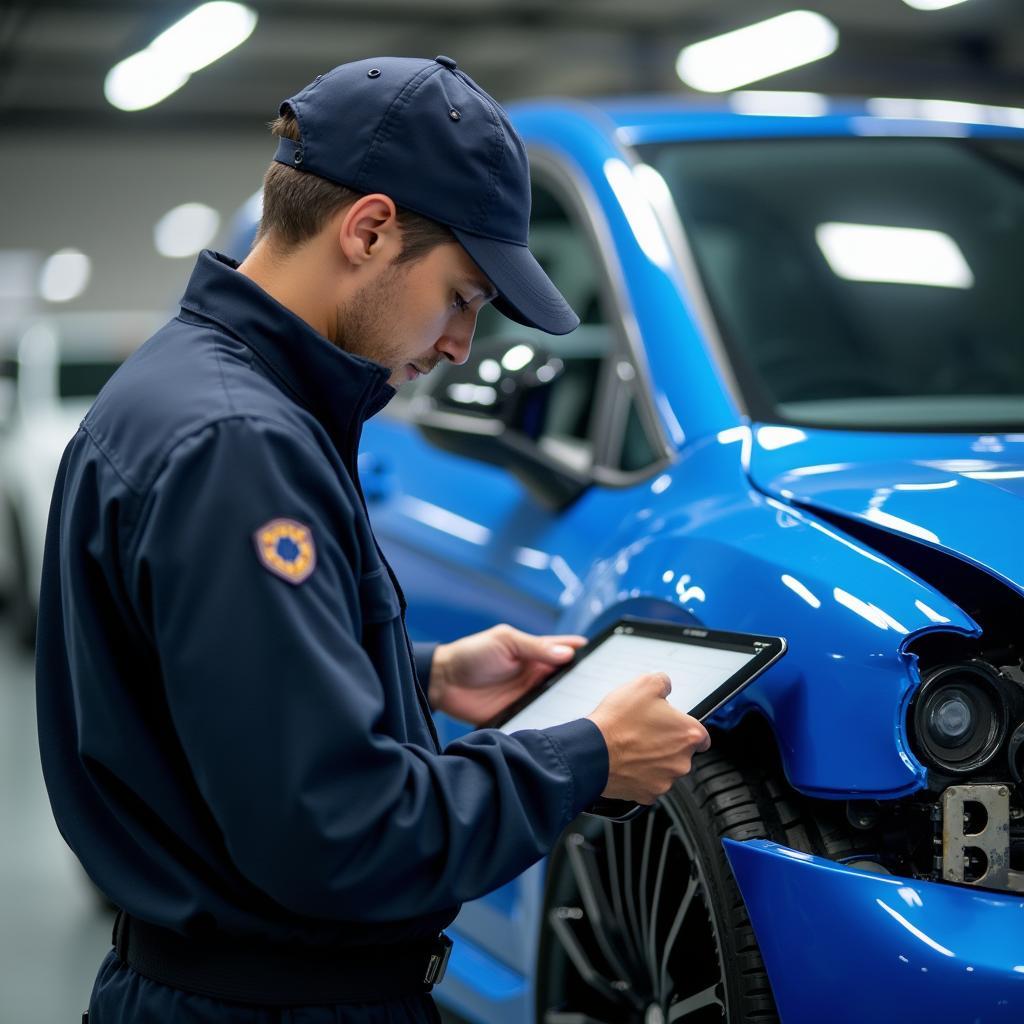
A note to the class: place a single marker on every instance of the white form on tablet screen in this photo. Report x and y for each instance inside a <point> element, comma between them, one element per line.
<point>695,670</point>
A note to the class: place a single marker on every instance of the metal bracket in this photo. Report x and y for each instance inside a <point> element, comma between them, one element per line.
<point>983,853</point>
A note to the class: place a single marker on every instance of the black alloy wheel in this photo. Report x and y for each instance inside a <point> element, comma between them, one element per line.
<point>643,922</point>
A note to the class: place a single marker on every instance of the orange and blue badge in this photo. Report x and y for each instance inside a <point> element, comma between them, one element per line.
<point>286,548</point>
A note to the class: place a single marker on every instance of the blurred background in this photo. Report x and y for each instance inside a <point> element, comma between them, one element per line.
<point>134,133</point>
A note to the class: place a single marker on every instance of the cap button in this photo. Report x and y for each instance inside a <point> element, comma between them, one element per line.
<point>447,62</point>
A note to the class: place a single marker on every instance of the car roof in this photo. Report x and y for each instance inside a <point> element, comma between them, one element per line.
<point>663,117</point>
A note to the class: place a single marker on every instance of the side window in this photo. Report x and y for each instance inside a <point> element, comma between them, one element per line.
<point>636,450</point>
<point>509,362</point>
<point>560,417</point>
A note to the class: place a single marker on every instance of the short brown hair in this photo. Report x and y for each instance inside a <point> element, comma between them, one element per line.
<point>297,204</point>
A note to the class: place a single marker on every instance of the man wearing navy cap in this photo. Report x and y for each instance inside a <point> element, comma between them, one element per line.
<point>235,730</point>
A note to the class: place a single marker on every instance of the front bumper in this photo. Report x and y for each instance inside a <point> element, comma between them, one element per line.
<point>849,946</point>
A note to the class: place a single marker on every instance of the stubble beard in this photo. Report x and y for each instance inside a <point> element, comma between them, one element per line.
<point>362,325</point>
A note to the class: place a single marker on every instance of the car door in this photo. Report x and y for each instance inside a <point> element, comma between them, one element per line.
<point>471,543</point>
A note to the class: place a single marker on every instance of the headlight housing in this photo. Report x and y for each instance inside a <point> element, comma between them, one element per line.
<point>960,717</point>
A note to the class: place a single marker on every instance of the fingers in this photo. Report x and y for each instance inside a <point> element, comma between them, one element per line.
<point>660,681</point>
<point>705,743</point>
<point>551,649</point>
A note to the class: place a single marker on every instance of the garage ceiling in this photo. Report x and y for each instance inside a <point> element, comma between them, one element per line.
<point>54,54</point>
<point>78,173</point>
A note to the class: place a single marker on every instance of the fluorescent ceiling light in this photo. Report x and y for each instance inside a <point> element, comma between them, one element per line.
<point>184,230</point>
<point>779,104</point>
<point>142,80</point>
<point>64,275</point>
<point>517,357</point>
<point>931,5</point>
<point>206,34</point>
<point>757,51</point>
<point>201,37</point>
<point>869,252</point>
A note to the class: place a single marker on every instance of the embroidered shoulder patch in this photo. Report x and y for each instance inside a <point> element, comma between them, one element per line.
<point>286,548</point>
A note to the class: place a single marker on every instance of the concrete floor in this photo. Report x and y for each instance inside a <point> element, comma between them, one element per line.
<point>54,927</point>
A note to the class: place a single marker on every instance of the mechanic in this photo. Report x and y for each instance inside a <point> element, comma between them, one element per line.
<point>235,730</point>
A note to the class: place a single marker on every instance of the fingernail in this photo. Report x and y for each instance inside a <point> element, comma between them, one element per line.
<point>561,650</point>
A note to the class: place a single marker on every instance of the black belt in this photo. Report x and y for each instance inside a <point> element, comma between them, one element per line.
<point>246,972</point>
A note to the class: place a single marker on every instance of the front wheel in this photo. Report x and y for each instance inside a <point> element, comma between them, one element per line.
<point>643,922</point>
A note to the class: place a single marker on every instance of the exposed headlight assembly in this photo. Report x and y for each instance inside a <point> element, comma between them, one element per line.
<point>960,717</point>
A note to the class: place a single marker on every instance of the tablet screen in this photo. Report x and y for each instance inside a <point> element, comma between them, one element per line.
<point>698,667</point>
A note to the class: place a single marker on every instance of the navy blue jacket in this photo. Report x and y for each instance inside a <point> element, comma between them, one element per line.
<point>232,731</point>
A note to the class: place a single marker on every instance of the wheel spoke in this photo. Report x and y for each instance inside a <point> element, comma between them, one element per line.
<point>652,935</point>
<point>694,1004</point>
<point>630,946</point>
<point>579,958</point>
<point>613,874</point>
<point>610,928</point>
<point>643,879</point>
<point>583,862</point>
<point>628,887</point>
<point>670,940</point>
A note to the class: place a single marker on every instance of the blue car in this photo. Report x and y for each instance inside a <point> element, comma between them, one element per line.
<point>794,406</point>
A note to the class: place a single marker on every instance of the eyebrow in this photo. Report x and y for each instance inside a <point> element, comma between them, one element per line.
<point>490,293</point>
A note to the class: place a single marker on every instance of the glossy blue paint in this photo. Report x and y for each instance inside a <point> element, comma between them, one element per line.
<point>938,489</point>
<point>694,543</point>
<point>885,948</point>
<point>478,986</point>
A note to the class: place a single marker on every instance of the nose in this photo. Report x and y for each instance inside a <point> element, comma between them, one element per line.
<point>456,342</point>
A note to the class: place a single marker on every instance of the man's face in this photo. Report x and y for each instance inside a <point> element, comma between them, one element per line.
<point>411,316</point>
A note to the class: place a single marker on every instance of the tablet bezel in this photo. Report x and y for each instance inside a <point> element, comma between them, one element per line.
<point>773,647</point>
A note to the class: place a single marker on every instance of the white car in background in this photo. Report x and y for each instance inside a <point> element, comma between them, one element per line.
<point>51,368</point>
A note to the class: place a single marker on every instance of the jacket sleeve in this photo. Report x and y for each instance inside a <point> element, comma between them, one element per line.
<point>278,708</point>
<point>423,655</point>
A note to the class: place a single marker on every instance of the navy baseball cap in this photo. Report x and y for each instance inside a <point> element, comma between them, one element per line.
<point>423,132</point>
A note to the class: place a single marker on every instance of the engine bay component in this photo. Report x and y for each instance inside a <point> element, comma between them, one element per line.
<point>976,836</point>
<point>1016,754</point>
<point>960,717</point>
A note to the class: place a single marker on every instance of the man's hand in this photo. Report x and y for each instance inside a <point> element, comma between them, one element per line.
<point>474,678</point>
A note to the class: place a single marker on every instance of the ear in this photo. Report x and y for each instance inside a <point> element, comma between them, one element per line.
<point>368,228</point>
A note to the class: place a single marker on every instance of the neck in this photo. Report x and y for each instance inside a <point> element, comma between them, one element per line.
<point>294,279</point>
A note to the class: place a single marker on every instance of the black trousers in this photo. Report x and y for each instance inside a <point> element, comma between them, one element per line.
<point>121,995</point>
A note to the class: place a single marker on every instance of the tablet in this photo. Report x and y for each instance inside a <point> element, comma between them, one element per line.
<point>707,668</point>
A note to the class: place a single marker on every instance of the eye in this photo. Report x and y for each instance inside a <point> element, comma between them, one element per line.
<point>461,303</point>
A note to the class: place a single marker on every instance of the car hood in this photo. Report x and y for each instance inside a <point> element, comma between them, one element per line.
<point>963,494</point>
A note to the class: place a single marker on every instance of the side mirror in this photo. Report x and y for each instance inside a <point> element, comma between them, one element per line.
<point>495,408</point>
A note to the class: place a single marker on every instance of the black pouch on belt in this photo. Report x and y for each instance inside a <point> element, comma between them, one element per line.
<point>266,975</point>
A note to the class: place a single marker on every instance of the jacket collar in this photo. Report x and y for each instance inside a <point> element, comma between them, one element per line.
<point>339,388</point>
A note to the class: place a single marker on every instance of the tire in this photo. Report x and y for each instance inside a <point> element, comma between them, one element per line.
<point>643,922</point>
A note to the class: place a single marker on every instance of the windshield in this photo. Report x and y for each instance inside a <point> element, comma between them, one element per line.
<point>867,283</point>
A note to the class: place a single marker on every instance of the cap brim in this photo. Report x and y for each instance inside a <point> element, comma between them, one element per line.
<point>525,293</point>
